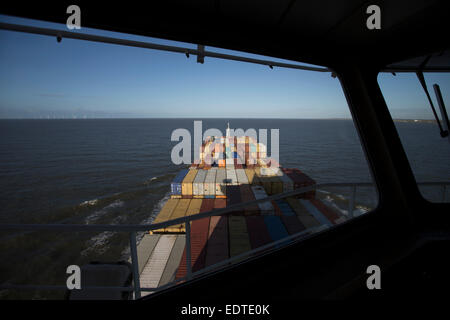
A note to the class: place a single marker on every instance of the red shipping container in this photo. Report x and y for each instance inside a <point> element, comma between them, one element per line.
<point>301,180</point>
<point>207,205</point>
<point>246,196</point>
<point>328,212</point>
<point>220,203</point>
<point>199,237</point>
<point>277,209</point>
<point>217,247</point>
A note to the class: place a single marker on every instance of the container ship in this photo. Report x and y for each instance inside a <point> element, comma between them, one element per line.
<point>232,170</point>
<point>397,236</point>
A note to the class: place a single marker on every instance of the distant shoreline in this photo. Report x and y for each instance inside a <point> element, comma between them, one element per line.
<point>416,120</point>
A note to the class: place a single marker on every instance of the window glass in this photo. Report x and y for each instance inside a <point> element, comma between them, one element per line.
<point>428,153</point>
<point>93,133</point>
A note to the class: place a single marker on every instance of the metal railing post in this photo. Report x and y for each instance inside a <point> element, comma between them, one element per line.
<point>135,265</point>
<point>188,250</point>
<point>351,205</point>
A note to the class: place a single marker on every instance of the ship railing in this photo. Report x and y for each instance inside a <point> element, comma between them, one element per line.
<point>132,229</point>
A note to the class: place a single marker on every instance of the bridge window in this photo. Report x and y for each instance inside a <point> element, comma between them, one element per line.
<point>427,151</point>
<point>95,133</point>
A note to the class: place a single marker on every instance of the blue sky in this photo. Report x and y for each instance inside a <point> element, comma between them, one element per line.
<point>41,78</point>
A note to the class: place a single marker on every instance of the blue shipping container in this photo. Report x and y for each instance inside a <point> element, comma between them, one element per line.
<point>285,208</point>
<point>175,186</point>
<point>275,227</point>
<point>315,212</point>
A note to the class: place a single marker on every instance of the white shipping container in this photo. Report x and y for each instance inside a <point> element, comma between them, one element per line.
<point>210,183</point>
<point>241,176</point>
<point>221,183</point>
<point>154,268</point>
<point>231,177</point>
<point>197,185</point>
<point>266,208</point>
<point>270,171</point>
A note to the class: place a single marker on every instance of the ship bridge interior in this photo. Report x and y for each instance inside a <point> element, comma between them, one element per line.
<point>406,234</point>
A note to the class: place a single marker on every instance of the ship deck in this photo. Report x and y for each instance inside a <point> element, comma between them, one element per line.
<point>216,239</point>
<point>244,175</point>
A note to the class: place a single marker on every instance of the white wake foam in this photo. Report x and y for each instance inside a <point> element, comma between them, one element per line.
<point>89,203</point>
<point>99,213</point>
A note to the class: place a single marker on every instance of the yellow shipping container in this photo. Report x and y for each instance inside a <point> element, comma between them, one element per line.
<point>194,207</point>
<point>165,213</point>
<point>186,185</point>
<point>262,180</point>
<point>239,240</point>
<point>302,214</point>
<point>267,184</point>
<point>276,185</point>
<point>256,180</point>
<point>250,175</point>
<point>178,212</point>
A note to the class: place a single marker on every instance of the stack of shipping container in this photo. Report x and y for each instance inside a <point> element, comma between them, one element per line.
<point>234,170</point>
